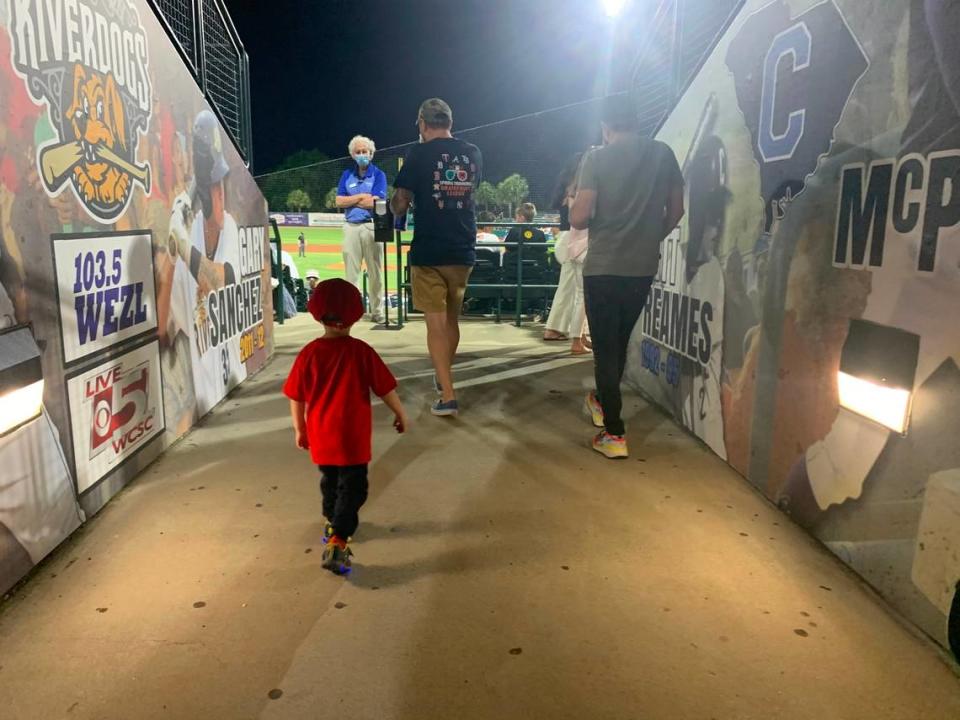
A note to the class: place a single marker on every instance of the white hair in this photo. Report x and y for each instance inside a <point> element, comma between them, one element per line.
<point>361,139</point>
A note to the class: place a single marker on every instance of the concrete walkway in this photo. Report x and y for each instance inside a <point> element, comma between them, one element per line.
<point>503,571</point>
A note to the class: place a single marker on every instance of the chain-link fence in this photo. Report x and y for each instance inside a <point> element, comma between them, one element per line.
<point>208,42</point>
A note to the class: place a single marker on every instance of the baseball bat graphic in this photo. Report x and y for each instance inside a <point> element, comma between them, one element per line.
<point>139,172</point>
<point>58,161</point>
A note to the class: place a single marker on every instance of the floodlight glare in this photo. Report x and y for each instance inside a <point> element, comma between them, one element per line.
<point>20,405</point>
<point>21,378</point>
<point>877,368</point>
<point>613,7</point>
<point>887,406</point>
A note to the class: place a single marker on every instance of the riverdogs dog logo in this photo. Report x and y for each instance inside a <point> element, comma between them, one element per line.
<point>87,60</point>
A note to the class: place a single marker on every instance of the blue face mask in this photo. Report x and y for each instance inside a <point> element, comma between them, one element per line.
<point>362,160</point>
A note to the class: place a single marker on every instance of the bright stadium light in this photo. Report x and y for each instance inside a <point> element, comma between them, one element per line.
<point>613,8</point>
<point>876,374</point>
<point>21,378</point>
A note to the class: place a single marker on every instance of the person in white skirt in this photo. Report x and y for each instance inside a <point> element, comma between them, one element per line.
<point>567,320</point>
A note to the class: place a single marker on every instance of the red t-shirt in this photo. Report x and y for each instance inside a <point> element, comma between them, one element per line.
<point>334,378</point>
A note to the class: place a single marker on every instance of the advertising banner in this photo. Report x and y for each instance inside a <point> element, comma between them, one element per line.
<point>325,219</point>
<point>301,219</point>
<point>116,409</point>
<point>820,144</point>
<point>105,287</point>
<point>133,245</point>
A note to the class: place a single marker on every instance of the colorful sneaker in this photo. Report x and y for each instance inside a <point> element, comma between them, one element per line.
<point>592,406</point>
<point>336,557</point>
<point>611,446</point>
<point>327,532</point>
<point>445,409</point>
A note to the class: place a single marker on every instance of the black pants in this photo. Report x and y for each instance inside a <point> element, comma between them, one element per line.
<point>613,307</point>
<point>344,491</point>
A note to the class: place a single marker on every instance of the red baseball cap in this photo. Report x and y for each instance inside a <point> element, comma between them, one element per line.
<point>336,302</point>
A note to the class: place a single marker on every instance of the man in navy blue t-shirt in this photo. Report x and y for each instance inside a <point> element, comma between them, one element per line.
<point>439,177</point>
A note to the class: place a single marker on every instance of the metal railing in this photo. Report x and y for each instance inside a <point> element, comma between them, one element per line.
<point>205,36</point>
<point>515,286</point>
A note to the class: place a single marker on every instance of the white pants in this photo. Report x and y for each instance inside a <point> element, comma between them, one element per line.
<point>358,248</point>
<point>567,313</point>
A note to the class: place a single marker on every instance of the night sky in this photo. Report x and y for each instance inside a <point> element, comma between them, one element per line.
<point>324,74</point>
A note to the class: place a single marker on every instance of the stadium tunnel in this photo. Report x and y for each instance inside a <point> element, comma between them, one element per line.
<point>784,535</point>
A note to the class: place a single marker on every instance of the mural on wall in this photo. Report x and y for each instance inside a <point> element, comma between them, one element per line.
<point>821,147</point>
<point>133,245</point>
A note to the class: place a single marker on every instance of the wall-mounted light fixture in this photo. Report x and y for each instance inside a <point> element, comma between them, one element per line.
<point>21,378</point>
<point>877,368</point>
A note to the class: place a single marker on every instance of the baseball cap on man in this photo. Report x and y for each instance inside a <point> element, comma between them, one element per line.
<point>336,302</point>
<point>435,113</point>
<point>312,274</point>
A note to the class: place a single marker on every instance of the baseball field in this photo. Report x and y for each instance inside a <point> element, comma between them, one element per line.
<point>324,252</point>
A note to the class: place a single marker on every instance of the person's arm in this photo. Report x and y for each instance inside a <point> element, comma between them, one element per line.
<point>582,208</point>
<point>299,416</point>
<point>379,185</point>
<point>209,275</point>
<point>392,401</point>
<point>165,267</point>
<point>674,208</point>
<point>345,199</point>
<point>400,202</point>
<point>584,202</point>
<point>403,186</point>
<point>364,200</point>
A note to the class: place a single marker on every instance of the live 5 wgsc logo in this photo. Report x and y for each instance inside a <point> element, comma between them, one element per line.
<point>87,61</point>
<point>120,410</point>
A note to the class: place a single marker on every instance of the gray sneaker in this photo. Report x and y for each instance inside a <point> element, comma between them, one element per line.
<point>445,409</point>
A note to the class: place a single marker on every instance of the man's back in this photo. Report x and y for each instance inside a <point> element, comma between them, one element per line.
<point>442,175</point>
<point>633,179</point>
<point>537,251</point>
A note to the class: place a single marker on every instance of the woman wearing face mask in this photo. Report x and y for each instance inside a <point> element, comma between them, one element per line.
<point>360,186</point>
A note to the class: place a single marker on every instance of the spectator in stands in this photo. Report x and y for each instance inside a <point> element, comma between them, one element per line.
<point>313,279</point>
<point>440,177</point>
<point>485,233</point>
<point>360,185</point>
<point>525,233</point>
<point>301,245</point>
<point>567,315</point>
<point>630,196</point>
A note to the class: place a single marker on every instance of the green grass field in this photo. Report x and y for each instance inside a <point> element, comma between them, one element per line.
<point>324,252</point>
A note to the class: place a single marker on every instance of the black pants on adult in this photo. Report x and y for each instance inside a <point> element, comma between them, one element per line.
<point>613,307</point>
<point>344,490</point>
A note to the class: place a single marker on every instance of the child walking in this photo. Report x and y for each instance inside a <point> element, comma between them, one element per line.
<point>329,389</point>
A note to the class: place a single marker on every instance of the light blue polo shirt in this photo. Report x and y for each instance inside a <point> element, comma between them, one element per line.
<point>373,182</point>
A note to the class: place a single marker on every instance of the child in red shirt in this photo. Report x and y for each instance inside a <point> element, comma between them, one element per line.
<point>329,389</point>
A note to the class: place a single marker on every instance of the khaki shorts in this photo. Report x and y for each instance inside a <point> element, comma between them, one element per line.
<point>440,288</point>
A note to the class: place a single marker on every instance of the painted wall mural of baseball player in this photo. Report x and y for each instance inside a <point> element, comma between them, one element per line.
<point>132,245</point>
<point>208,248</point>
<point>823,149</point>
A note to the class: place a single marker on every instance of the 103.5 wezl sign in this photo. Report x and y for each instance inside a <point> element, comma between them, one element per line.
<point>105,288</point>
